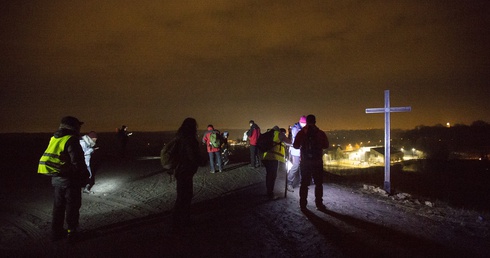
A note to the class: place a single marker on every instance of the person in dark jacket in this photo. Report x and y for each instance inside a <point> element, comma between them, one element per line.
<point>311,141</point>
<point>123,138</point>
<point>189,161</point>
<point>70,172</point>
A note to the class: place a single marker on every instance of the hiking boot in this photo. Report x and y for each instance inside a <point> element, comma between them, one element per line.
<point>290,188</point>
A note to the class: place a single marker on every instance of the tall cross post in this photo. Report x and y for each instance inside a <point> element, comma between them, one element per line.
<point>387,110</point>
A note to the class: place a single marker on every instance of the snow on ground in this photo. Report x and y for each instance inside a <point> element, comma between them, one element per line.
<point>128,215</point>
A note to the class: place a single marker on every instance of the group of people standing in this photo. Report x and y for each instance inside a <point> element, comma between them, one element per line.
<point>67,160</point>
<point>306,143</point>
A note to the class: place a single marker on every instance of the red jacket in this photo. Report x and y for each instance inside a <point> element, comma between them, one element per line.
<point>205,139</point>
<point>253,134</point>
<point>320,137</point>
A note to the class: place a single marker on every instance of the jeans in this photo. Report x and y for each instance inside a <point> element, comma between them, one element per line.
<point>294,171</point>
<point>212,155</point>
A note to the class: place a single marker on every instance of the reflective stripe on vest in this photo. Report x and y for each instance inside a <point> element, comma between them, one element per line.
<point>50,162</point>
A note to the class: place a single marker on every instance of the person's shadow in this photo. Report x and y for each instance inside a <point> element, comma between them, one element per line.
<point>369,239</point>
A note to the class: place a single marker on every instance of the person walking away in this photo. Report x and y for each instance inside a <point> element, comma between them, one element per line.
<point>213,145</point>
<point>189,160</point>
<point>294,154</point>
<point>253,134</point>
<point>88,142</point>
<point>64,161</point>
<point>311,141</point>
<point>271,159</point>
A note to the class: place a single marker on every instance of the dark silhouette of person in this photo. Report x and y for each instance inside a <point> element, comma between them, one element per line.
<point>123,138</point>
<point>311,141</point>
<point>189,160</point>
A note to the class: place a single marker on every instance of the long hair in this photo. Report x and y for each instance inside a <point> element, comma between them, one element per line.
<point>188,128</point>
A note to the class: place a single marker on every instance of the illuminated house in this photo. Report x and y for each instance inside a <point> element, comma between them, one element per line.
<point>377,155</point>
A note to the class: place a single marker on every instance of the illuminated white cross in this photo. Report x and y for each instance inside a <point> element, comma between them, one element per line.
<point>387,110</point>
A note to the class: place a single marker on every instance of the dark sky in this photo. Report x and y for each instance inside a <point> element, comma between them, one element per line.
<point>149,65</point>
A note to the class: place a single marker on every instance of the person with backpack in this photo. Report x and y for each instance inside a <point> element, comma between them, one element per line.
<point>64,161</point>
<point>253,135</point>
<point>294,154</point>
<point>311,141</point>
<point>212,139</point>
<point>189,159</point>
<point>273,156</point>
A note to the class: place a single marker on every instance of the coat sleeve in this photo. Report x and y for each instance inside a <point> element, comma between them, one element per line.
<point>298,140</point>
<point>324,140</point>
<point>77,158</point>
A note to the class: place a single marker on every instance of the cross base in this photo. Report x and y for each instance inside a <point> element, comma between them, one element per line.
<point>387,187</point>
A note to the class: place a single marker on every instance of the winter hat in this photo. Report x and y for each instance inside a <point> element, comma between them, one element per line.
<point>69,122</point>
<point>302,120</point>
<point>92,134</point>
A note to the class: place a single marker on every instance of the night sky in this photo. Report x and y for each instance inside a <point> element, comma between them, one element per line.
<point>149,65</point>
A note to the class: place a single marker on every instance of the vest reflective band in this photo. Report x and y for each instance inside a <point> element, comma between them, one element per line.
<point>50,162</point>
<point>277,152</point>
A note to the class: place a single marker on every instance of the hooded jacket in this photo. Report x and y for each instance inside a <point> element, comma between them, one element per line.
<point>253,134</point>
<point>74,172</point>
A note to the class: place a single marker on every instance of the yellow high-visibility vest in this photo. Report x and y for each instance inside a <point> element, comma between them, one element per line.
<point>277,152</point>
<point>50,163</point>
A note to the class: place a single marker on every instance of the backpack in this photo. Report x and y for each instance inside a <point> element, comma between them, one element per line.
<point>265,141</point>
<point>214,139</point>
<point>309,147</point>
<point>169,156</point>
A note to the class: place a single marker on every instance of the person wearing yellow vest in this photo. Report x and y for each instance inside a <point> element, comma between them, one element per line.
<point>272,157</point>
<point>64,161</point>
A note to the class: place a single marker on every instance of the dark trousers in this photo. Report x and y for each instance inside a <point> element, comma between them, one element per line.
<point>271,167</point>
<point>67,201</point>
<point>311,170</point>
<point>182,207</point>
<point>254,156</point>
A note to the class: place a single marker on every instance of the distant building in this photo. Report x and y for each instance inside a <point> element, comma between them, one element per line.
<point>377,155</point>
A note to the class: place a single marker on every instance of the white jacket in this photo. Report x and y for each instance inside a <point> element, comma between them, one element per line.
<point>87,145</point>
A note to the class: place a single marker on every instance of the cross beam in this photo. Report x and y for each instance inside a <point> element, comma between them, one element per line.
<point>387,110</point>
